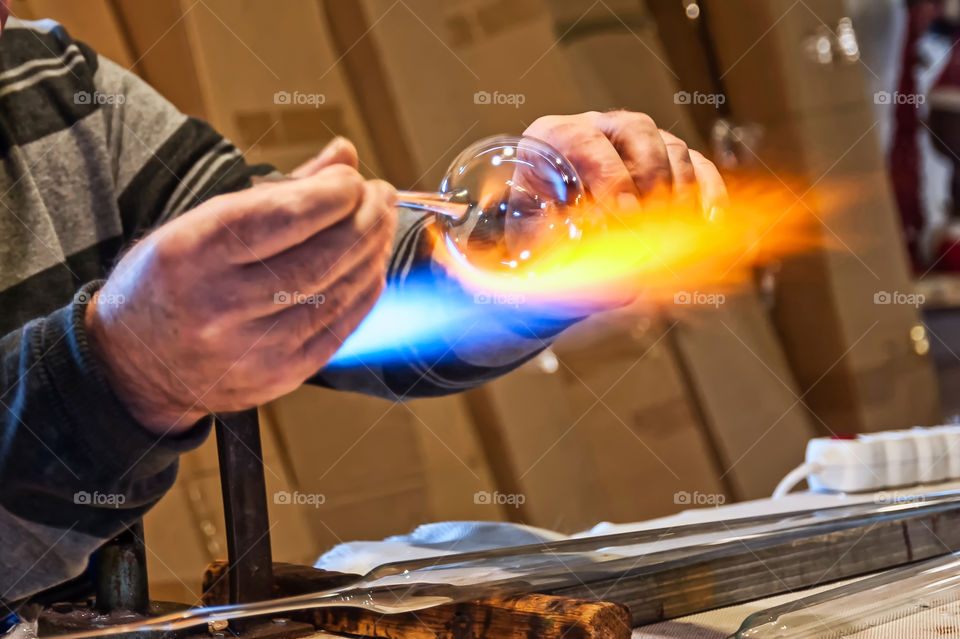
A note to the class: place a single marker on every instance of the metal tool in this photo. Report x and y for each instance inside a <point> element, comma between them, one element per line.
<point>455,205</point>
<point>122,573</point>
<point>243,484</point>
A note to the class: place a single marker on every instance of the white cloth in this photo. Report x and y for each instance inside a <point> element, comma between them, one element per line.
<point>432,540</point>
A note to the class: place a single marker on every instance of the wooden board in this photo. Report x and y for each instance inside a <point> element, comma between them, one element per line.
<point>517,617</point>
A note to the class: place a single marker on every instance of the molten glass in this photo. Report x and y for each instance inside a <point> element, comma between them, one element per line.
<point>505,203</point>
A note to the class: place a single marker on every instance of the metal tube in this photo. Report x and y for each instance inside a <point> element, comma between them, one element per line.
<point>122,573</point>
<point>245,506</point>
<point>441,203</point>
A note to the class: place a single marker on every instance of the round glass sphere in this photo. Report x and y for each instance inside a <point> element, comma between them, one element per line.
<point>523,201</point>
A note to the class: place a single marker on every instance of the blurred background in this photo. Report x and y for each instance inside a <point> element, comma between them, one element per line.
<point>634,414</point>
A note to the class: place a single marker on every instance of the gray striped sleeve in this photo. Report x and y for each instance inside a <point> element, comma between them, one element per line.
<point>36,556</point>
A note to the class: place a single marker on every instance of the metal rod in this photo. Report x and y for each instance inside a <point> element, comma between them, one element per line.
<point>250,570</point>
<point>441,203</point>
<point>431,201</point>
<point>122,573</point>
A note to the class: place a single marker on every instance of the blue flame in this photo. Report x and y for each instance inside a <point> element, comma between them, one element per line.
<point>421,314</point>
<point>427,315</point>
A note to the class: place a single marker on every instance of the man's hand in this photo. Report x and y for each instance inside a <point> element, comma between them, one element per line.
<point>242,299</point>
<point>625,160</point>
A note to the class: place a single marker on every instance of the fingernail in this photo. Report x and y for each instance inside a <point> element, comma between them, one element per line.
<point>628,202</point>
<point>367,215</point>
<point>332,148</point>
<point>391,195</point>
<point>715,214</point>
<point>365,218</point>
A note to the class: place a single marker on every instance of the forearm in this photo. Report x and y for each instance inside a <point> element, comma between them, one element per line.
<point>75,467</point>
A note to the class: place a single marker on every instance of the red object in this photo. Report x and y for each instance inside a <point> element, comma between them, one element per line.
<point>944,125</point>
<point>905,149</point>
<point>947,256</point>
<point>844,436</point>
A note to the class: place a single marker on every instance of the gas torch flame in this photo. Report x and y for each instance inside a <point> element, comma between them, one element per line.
<point>656,250</point>
<point>654,254</point>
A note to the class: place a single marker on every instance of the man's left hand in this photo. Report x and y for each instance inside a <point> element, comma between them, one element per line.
<point>625,160</point>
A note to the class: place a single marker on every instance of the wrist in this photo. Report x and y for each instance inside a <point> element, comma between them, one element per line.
<point>146,402</point>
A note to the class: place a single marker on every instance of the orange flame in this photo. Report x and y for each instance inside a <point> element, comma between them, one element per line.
<point>659,250</point>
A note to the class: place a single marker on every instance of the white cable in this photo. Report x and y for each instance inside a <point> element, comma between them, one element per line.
<point>794,477</point>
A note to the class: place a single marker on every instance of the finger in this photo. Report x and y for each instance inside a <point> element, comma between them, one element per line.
<point>713,192</point>
<point>685,188</point>
<point>317,351</point>
<point>379,202</point>
<point>313,267</point>
<point>339,150</point>
<point>303,353</point>
<point>255,224</point>
<point>300,320</point>
<point>593,155</point>
<point>638,141</point>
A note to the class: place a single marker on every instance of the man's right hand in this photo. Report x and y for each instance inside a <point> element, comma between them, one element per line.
<point>242,299</point>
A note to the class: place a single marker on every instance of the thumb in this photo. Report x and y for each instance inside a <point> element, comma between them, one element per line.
<point>339,150</point>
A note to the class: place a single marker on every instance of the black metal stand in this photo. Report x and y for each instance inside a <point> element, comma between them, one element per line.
<point>245,506</point>
<point>122,573</point>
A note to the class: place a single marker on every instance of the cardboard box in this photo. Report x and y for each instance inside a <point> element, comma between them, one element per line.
<point>852,357</point>
<point>596,41</point>
<point>249,69</point>
<point>93,21</point>
<point>157,36</point>
<point>363,455</point>
<point>270,80</point>
<point>454,462</point>
<point>763,55</point>
<point>639,430</point>
<point>737,372</point>
<point>529,434</point>
<point>866,261</point>
<point>438,75</point>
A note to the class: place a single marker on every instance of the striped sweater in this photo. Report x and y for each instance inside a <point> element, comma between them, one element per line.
<point>92,159</point>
